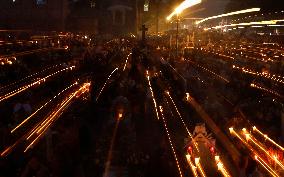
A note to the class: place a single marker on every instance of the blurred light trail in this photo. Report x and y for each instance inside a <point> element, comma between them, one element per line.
<point>229,14</point>
<point>170,141</point>
<point>219,54</point>
<point>254,85</point>
<point>174,70</point>
<point>45,125</point>
<point>266,22</point>
<point>105,83</point>
<point>109,156</point>
<point>152,94</point>
<point>199,167</point>
<point>126,60</point>
<point>34,74</point>
<point>260,146</point>
<point>10,148</point>
<point>28,52</point>
<point>267,138</point>
<point>272,77</point>
<point>182,120</point>
<point>37,82</point>
<point>184,5</point>
<point>43,106</point>
<point>265,166</point>
<point>262,162</point>
<point>216,75</point>
<point>192,167</point>
<point>221,167</point>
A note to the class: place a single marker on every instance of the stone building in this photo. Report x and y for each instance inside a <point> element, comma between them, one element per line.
<point>33,14</point>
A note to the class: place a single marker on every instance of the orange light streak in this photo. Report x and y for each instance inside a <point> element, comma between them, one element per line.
<point>45,125</point>
<point>208,70</point>
<point>250,137</point>
<point>232,131</point>
<point>34,74</point>
<point>182,120</point>
<point>105,83</point>
<point>126,60</point>
<point>192,167</point>
<point>152,94</point>
<point>265,166</point>
<point>221,167</point>
<point>43,106</point>
<point>38,82</point>
<point>170,141</point>
<point>267,138</point>
<point>254,85</point>
<point>199,167</point>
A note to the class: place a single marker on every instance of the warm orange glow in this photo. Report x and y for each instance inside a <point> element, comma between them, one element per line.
<point>170,141</point>
<point>229,14</point>
<point>184,5</point>
<point>192,167</point>
<point>152,94</point>
<point>267,138</point>
<point>182,120</point>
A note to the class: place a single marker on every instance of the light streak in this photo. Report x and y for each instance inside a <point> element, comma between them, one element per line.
<point>176,71</point>
<point>199,167</point>
<point>221,167</point>
<point>267,138</point>
<point>250,137</point>
<point>182,120</point>
<point>27,52</point>
<point>170,141</point>
<point>43,106</point>
<point>184,5</point>
<point>37,82</point>
<point>34,74</point>
<point>126,61</point>
<point>192,167</point>
<point>152,94</point>
<point>275,25</point>
<point>105,83</point>
<point>229,14</point>
<point>41,129</point>
<point>254,85</point>
<point>265,165</point>
<point>109,157</point>
<point>217,75</point>
<point>267,22</point>
<point>233,132</point>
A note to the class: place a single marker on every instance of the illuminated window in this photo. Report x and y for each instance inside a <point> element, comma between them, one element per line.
<point>93,4</point>
<point>40,2</point>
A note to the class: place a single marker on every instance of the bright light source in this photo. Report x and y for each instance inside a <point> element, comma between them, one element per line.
<point>231,129</point>
<point>184,5</point>
<point>229,14</point>
<point>197,160</point>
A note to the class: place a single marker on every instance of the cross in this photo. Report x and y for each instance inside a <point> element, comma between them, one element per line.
<point>144,30</point>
